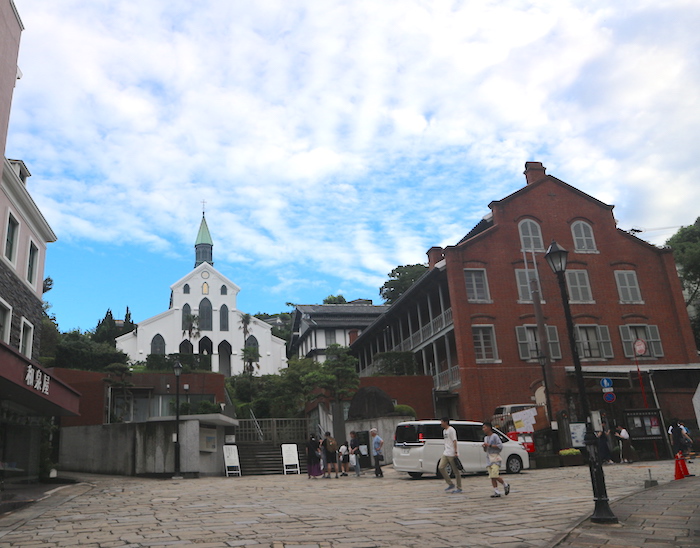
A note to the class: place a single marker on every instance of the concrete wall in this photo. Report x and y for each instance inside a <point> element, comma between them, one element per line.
<point>385,428</point>
<point>139,449</point>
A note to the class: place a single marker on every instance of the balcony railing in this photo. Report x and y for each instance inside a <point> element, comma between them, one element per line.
<point>447,379</point>
<point>424,333</point>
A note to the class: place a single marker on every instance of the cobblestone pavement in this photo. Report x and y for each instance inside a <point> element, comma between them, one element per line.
<point>664,516</point>
<point>285,511</point>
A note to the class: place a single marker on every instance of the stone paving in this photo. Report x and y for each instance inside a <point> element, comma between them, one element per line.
<point>293,511</point>
<point>664,516</point>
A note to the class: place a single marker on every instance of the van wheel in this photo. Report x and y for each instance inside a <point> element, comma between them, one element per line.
<point>416,475</point>
<point>514,464</point>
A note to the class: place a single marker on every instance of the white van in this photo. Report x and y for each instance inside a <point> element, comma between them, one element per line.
<point>418,446</point>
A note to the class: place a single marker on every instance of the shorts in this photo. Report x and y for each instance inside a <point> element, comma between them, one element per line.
<point>331,458</point>
<point>346,458</point>
<point>494,470</point>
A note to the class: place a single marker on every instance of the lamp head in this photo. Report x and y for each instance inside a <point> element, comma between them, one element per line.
<point>542,359</point>
<point>556,257</point>
<point>177,368</point>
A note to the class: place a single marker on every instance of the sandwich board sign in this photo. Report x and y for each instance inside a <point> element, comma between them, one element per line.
<point>290,458</point>
<point>231,460</point>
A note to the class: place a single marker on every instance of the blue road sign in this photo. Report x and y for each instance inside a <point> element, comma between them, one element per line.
<point>606,382</point>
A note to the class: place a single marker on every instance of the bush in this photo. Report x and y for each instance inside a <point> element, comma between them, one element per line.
<point>404,410</point>
<point>570,451</point>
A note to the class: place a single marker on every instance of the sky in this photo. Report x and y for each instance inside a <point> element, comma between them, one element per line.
<point>332,141</point>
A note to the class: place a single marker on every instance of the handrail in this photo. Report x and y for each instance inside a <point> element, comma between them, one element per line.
<point>261,436</point>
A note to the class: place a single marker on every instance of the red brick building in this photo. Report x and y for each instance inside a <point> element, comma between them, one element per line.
<point>470,320</point>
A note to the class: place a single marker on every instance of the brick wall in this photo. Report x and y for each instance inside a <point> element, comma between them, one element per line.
<point>413,390</point>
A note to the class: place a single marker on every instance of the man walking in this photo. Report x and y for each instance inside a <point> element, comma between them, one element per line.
<point>377,444</point>
<point>449,434</point>
<point>493,447</point>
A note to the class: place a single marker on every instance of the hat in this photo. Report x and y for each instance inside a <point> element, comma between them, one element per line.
<point>373,430</point>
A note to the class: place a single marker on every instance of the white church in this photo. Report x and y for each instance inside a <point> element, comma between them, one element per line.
<point>203,319</point>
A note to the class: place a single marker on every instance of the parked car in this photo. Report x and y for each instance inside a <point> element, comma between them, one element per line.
<point>525,438</point>
<point>418,446</point>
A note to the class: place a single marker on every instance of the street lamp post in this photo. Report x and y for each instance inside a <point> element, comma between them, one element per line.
<point>542,358</point>
<point>177,369</point>
<point>556,258</point>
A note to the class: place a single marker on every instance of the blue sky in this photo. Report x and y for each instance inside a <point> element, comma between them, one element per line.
<point>333,141</point>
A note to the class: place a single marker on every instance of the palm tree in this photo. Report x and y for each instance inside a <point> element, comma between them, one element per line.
<point>249,354</point>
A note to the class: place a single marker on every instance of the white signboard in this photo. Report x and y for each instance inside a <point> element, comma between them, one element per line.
<point>578,434</point>
<point>524,421</point>
<point>231,461</point>
<point>290,458</point>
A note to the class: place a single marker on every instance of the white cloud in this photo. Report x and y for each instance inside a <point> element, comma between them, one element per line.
<point>350,136</point>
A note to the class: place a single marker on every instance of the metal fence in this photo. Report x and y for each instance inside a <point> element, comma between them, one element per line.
<point>275,431</point>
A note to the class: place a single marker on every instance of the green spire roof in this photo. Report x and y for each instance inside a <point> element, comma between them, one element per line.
<point>203,236</point>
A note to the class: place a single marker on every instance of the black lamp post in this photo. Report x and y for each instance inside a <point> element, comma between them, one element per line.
<point>543,364</point>
<point>177,369</point>
<point>556,258</point>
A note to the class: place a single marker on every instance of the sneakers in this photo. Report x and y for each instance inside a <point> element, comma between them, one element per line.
<point>456,491</point>
<point>496,496</point>
<point>507,488</point>
<point>449,487</point>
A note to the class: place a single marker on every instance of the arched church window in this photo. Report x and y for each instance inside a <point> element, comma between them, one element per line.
<point>205,288</point>
<point>252,341</point>
<point>223,318</point>
<point>186,347</point>
<point>186,317</point>
<point>205,313</point>
<point>158,345</point>
<point>583,236</point>
<point>186,289</point>
<point>224,290</point>
<point>530,235</point>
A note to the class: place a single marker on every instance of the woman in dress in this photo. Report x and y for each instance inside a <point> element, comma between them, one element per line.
<point>313,458</point>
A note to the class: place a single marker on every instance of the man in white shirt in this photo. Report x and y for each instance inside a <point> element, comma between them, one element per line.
<point>449,434</point>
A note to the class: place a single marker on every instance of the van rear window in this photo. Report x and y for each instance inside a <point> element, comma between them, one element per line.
<point>406,434</point>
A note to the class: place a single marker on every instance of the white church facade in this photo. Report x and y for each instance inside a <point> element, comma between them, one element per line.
<point>203,319</point>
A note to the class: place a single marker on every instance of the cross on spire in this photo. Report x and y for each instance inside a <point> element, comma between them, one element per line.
<point>204,203</point>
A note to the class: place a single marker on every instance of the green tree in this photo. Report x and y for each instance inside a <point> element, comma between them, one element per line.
<point>77,350</point>
<point>106,330</point>
<point>282,325</point>
<point>396,363</point>
<point>50,337</point>
<point>686,251</point>
<point>249,353</point>
<point>118,380</point>
<point>337,376</point>
<point>400,279</point>
<point>334,299</point>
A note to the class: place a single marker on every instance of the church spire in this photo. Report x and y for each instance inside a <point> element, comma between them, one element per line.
<point>203,246</point>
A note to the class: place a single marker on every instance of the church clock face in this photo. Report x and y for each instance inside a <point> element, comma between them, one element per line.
<point>205,274</point>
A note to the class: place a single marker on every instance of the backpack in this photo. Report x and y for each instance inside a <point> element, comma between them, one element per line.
<point>331,445</point>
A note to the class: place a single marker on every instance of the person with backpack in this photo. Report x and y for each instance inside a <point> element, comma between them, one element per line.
<point>330,447</point>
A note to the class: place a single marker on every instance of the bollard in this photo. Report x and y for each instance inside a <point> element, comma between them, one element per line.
<point>650,482</point>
